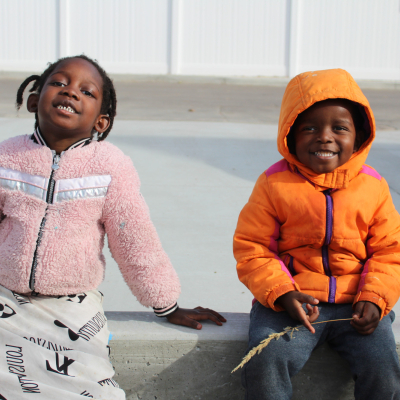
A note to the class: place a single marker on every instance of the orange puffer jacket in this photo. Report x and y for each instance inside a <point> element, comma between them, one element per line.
<point>335,236</point>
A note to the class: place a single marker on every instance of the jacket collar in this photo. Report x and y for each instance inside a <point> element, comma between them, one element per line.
<point>37,138</point>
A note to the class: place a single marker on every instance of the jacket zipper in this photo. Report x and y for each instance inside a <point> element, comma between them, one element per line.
<point>49,200</point>
<point>328,238</point>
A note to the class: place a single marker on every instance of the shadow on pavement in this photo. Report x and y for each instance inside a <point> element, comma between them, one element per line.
<point>247,159</point>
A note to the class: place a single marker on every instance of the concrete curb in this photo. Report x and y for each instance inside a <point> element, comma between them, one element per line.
<point>156,360</point>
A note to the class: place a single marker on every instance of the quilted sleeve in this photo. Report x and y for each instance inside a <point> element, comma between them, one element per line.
<point>255,247</point>
<point>134,242</point>
<point>380,278</point>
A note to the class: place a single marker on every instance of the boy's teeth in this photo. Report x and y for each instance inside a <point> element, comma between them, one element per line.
<point>69,109</point>
<point>324,153</point>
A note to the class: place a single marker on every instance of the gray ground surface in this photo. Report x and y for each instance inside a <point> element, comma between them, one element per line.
<point>198,169</point>
<point>194,101</point>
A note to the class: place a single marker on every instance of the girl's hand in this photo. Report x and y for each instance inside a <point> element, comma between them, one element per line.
<point>366,317</point>
<point>189,317</point>
<point>292,303</point>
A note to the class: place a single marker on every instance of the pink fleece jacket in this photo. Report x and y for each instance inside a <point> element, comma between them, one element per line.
<point>96,191</point>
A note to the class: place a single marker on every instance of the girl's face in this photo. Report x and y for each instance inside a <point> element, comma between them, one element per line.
<point>69,104</point>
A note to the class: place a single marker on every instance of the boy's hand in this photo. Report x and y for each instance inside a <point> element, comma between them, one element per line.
<point>189,317</point>
<point>366,317</point>
<point>292,303</point>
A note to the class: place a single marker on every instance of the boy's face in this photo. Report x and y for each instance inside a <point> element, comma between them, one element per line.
<point>325,135</point>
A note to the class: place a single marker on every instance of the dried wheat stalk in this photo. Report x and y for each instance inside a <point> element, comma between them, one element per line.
<point>276,336</point>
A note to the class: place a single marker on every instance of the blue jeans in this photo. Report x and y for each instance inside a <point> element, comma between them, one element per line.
<point>373,358</point>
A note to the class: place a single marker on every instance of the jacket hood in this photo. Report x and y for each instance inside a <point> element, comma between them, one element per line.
<point>301,93</point>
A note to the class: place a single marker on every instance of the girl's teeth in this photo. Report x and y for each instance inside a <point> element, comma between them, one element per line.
<point>69,109</point>
<point>324,153</point>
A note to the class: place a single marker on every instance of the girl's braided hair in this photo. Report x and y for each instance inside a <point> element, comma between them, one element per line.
<point>108,105</point>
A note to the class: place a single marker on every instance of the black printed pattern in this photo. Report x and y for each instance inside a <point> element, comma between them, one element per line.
<point>21,300</point>
<point>108,382</point>
<point>16,366</point>
<point>47,344</point>
<point>61,369</point>
<point>6,311</point>
<point>72,335</point>
<point>75,298</point>
<point>93,326</point>
<point>85,393</point>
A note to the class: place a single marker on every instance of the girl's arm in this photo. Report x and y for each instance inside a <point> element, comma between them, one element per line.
<point>137,249</point>
<point>134,242</point>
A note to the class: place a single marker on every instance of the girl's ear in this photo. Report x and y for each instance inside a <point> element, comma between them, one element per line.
<point>102,123</point>
<point>32,103</point>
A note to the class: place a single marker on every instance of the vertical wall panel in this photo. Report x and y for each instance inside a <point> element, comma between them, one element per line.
<point>234,37</point>
<point>206,37</point>
<point>361,36</point>
<point>124,35</point>
<point>28,34</point>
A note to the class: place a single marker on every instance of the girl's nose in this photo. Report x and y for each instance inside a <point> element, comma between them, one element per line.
<point>70,92</point>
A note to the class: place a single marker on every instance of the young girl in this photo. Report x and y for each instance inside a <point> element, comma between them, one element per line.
<point>61,190</point>
<point>320,228</point>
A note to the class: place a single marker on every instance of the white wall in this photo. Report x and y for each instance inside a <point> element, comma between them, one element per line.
<point>206,37</point>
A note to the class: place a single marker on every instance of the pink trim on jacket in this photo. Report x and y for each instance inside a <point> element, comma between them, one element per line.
<point>280,166</point>
<point>370,171</point>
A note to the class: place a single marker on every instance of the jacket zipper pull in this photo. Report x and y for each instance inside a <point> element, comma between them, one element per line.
<point>56,160</point>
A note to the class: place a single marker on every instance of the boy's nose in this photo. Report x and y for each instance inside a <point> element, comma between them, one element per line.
<point>326,135</point>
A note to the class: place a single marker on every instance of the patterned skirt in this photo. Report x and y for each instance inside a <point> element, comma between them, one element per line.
<point>55,347</point>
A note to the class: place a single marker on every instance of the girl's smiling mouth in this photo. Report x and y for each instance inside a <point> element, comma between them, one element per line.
<point>69,109</point>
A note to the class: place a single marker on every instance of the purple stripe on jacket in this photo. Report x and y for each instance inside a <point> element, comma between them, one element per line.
<point>273,247</point>
<point>362,279</point>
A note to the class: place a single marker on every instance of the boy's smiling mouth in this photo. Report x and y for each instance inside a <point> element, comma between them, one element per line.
<point>324,154</point>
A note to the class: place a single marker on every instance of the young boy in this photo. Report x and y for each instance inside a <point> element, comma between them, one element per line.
<point>320,228</point>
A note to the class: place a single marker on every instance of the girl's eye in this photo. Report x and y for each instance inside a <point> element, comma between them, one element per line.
<point>87,93</point>
<point>58,84</point>
<point>340,128</point>
<point>308,129</point>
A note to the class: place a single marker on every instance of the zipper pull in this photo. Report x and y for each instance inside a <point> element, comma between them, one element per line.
<point>56,160</point>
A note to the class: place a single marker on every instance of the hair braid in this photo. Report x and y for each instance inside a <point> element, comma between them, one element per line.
<point>111,109</point>
<point>22,88</point>
<point>109,102</point>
